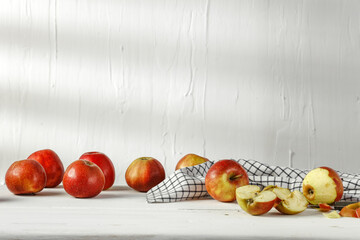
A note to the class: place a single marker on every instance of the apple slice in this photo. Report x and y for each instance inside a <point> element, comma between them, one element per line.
<point>254,201</point>
<point>293,203</point>
<point>333,214</point>
<point>351,210</point>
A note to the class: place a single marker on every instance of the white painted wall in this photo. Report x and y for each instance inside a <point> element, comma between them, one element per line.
<point>275,81</point>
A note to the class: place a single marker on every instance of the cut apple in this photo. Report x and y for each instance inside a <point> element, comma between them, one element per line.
<point>281,194</point>
<point>351,210</point>
<point>254,201</point>
<point>293,203</point>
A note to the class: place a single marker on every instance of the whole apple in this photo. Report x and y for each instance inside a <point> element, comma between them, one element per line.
<point>322,185</point>
<point>144,173</point>
<point>104,163</point>
<point>223,178</point>
<point>190,160</point>
<point>52,165</point>
<point>83,179</point>
<point>25,177</point>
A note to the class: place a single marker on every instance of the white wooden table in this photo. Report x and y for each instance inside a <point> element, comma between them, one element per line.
<point>121,213</point>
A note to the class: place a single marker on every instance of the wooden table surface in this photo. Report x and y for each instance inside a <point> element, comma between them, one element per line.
<point>121,213</point>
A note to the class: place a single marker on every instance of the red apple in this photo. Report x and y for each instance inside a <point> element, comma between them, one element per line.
<point>190,160</point>
<point>52,164</point>
<point>322,185</point>
<point>351,210</point>
<point>144,173</point>
<point>104,163</point>
<point>223,178</point>
<point>25,177</point>
<point>253,201</point>
<point>83,179</point>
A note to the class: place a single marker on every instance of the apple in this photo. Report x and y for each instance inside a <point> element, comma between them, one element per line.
<point>322,185</point>
<point>351,210</point>
<point>52,165</point>
<point>25,177</point>
<point>291,204</point>
<point>144,173</point>
<point>83,179</point>
<point>105,165</point>
<point>190,160</point>
<point>254,201</point>
<point>223,178</point>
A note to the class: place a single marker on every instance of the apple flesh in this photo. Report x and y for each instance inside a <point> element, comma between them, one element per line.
<point>52,165</point>
<point>144,173</point>
<point>253,201</point>
<point>351,210</point>
<point>223,178</point>
<point>190,160</point>
<point>322,185</point>
<point>83,179</point>
<point>293,203</point>
<point>281,193</point>
<point>25,177</point>
<point>105,165</point>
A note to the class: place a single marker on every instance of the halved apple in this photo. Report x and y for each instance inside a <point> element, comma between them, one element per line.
<point>293,203</point>
<point>254,201</point>
<point>351,210</point>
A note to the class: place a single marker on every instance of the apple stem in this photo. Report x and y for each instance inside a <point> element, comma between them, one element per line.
<point>236,177</point>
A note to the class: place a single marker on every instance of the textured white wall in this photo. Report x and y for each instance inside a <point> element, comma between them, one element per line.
<point>275,81</point>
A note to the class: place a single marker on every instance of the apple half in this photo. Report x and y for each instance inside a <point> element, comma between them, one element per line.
<point>351,210</point>
<point>293,203</point>
<point>288,202</point>
<point>254,201</point>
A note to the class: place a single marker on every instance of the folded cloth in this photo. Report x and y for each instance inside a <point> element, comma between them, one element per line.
<point>189,183</point>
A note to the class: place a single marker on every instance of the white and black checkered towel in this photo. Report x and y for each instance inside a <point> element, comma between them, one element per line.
<point>189,183</point>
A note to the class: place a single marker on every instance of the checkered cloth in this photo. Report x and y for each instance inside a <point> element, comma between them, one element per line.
<point>189,183</point>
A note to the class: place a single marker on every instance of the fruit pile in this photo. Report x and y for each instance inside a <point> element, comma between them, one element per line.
<point>225,181</point>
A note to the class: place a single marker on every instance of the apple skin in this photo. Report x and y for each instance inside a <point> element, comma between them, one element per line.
<point>323,207</point>
<point>25,177</point>
<point>190,160</point>
<point>253,201</point>
<point>322,185</point>
<point>83,179</point>
<point>52,165</point>
<point>144,173</point>
<point>350,210</point>
<point>104,163</point>
<point>223,178</point>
